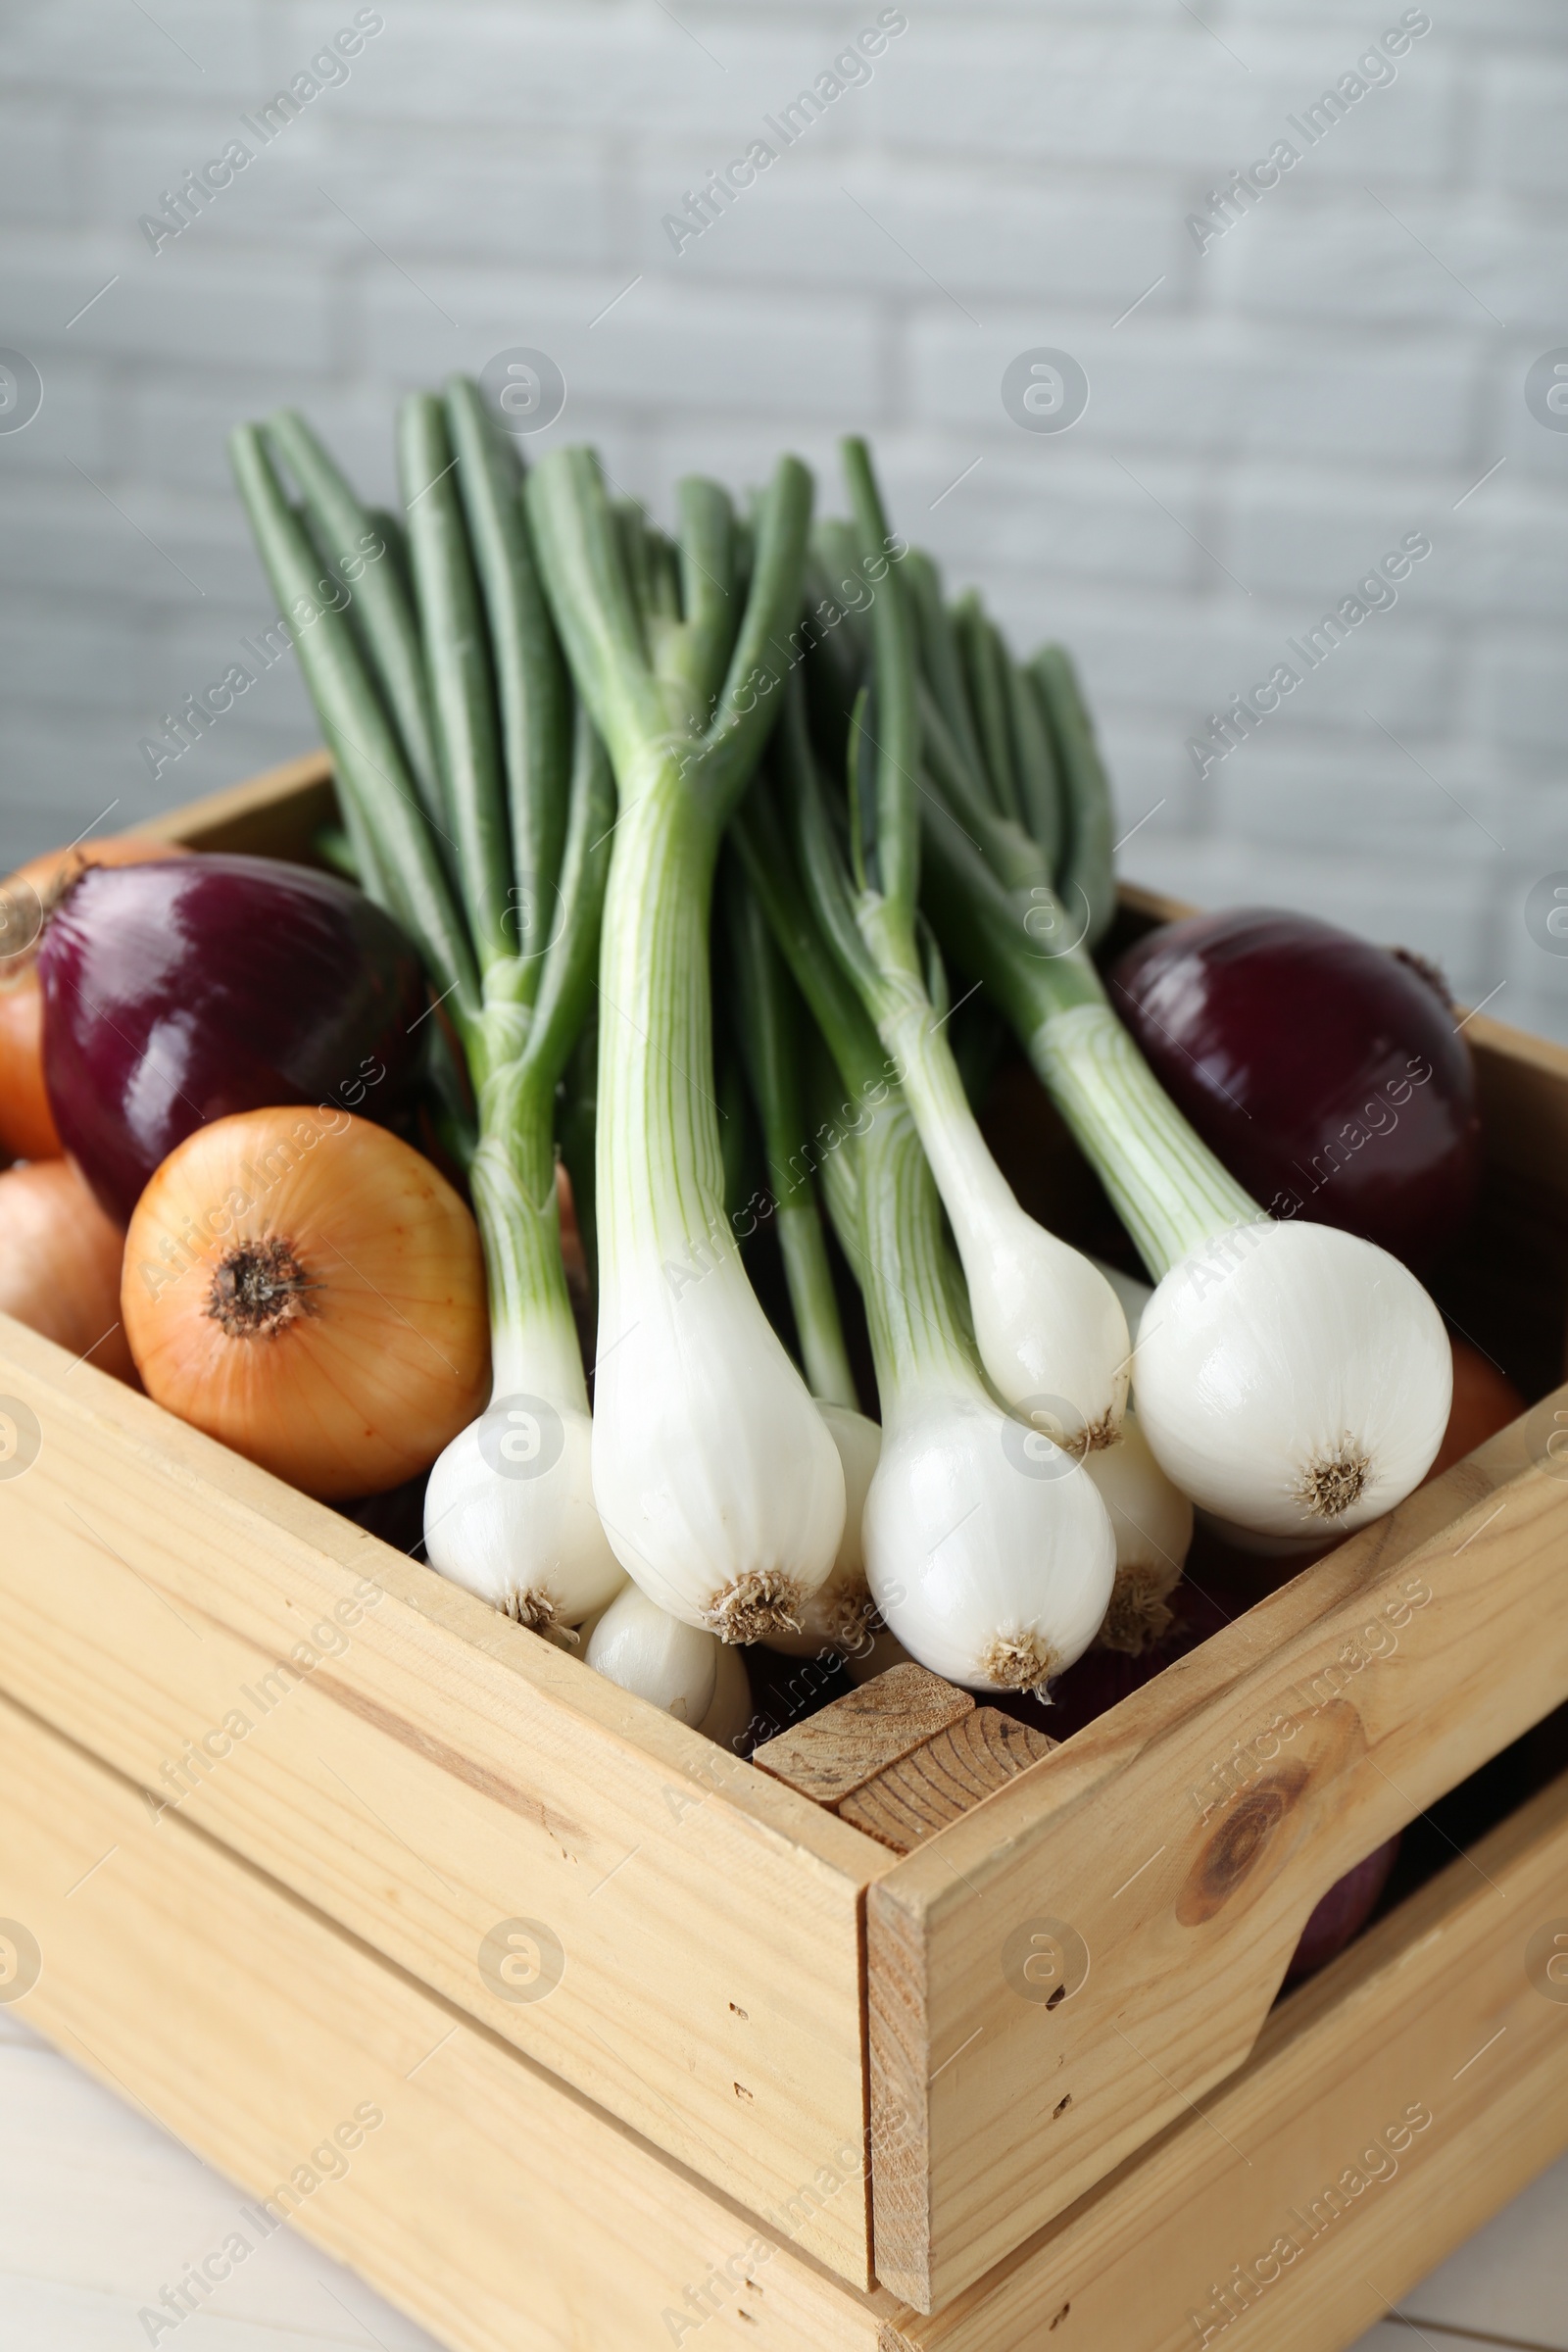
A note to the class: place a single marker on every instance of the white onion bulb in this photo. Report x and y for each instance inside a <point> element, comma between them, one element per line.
<point>508,1513</point>
<point>988,1550</point>
<point>730,1711</point>
<point>1293,1379</point>
<point>673,1666</point>
<point>837,1614</point>
<point>1047,1325</point>
<point>718,1482</point>
<point>1152,1523</point>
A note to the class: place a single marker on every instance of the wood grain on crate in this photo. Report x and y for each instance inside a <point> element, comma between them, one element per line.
<point>426,1772</point>
<point>924,1791</point>
<point>491,2202</point>
<point>1433,2010</point>
<point>507,2213</point>
<point>1177,1846</point>
<point>849,1741</point>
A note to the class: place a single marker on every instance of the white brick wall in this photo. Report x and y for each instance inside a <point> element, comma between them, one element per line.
<point>1341,368</point>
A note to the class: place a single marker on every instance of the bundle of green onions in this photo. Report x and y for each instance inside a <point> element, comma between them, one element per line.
<point>544,727</point>
<point>479,805</point>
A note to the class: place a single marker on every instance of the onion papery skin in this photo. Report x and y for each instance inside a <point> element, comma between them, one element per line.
<point>382,1356</point>
<point>27,1123</point>
<point>1296,1051</point>
<point>1279,1364</point>
<point>985,1543</point>
<point>509,1514</point>
<point>837,1614</point>
<point>192,989</point>
<point>60,1264</point>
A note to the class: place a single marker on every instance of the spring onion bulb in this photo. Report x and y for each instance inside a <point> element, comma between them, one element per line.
<point>729,1712</point>
<point>988,1551</point>
<point>1293,1379</point>
<point>509,1511</point>
<point>479,805</point>
<point>718,1486</point>
<point>1290,1379</point>
<point>1152,1523</point>
<point>840,1612</point>
<point>769,1021</point>
<point>1050,1332</point>
<point>673,1665</point>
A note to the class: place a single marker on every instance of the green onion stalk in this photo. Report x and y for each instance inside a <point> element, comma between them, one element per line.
<point>1016,753</point>
<point>770,1017</point>
<point>767,1018</point>
<point>1291,1380</point>
<point>476,800</point>
<point>1050,1331</point>
<point>988,1551</point>
<point>717,1482</point>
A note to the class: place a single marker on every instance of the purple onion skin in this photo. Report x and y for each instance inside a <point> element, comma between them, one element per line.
<point>176,993</point>
<point>1285,1039</point>
<point>1343,1913</point>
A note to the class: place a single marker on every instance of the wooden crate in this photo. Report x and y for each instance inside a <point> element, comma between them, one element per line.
<point>748,1984</point>
<point>510,2213</point>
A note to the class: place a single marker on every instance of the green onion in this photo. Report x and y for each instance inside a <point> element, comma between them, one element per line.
<point>766,1012</point>
<point>988,1550</point>
<point>1290,1379</point>
<point>1050,1332</point>
<point>718,1482</point>
<point>470,797</point>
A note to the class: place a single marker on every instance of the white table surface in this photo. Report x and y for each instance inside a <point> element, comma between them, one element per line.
<point>99,2209</point>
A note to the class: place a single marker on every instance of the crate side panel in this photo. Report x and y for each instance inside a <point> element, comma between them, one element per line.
<point>500,2208</point>
<point>430,1776</point>
<point>276,814</point>
<point>1311,2172</point>
<point>1118,1920</point>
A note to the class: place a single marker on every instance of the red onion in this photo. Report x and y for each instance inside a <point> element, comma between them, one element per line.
<point>1343,1912</point>
<point>179,992</point>
<point>1326,1073</point>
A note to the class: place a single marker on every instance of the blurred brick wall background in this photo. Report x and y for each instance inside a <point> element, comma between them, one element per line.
<point>1344,366</point>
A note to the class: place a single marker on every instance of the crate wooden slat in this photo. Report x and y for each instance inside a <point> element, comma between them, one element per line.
<point>738,1961</point>
<point>1187,1900</point>
<point>507,2214</point>
<point>494,2204</point>
<point>1433,2006</point>
<point>839,1750</point>
<point>274,816</point>
<point>445,1773</point>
